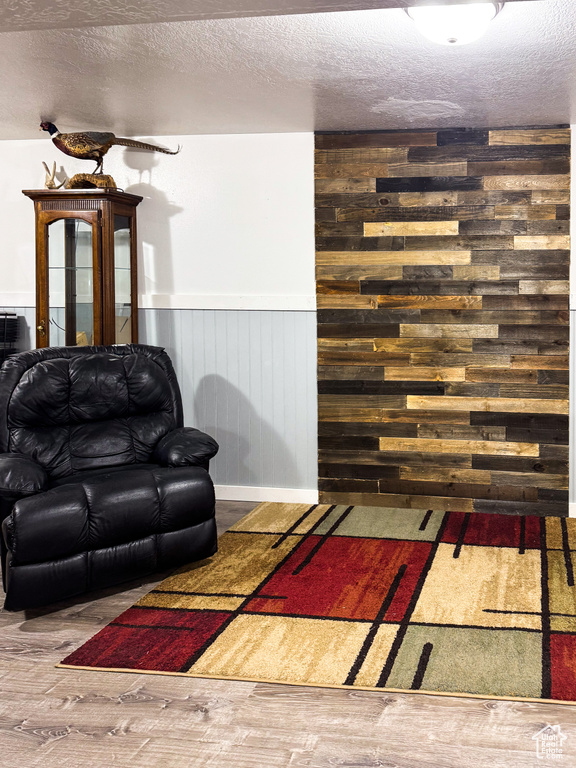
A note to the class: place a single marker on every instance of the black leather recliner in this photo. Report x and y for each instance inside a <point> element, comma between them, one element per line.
<point>99,481</point>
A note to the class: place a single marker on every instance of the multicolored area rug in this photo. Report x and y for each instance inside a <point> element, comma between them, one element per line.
<point>406,600</point>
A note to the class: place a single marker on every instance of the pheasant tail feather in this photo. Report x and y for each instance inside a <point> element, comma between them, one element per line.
<point>144,145</point>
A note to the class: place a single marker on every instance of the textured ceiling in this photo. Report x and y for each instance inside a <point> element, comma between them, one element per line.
<point>332,71</point>
<point>60,14</point>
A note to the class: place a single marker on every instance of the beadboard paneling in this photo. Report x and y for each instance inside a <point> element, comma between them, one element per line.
<point>443,319</point>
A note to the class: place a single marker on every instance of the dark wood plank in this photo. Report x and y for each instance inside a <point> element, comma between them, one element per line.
<point>449,136</point>
<point>375,139</point>
<point>339,387</point>
<point>477,154</point>
<point>520,464</point>
<point>428,213</point>
<point>359,243</point>
<point>359,471</point>
<point>428,183</point>
<point>435,288</point>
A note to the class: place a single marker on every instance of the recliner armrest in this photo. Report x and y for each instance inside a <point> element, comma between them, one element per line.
<point>185,447</point>
<point>20,475</point>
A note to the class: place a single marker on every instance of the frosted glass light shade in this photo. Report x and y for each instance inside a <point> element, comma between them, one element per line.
<point>454,24</point>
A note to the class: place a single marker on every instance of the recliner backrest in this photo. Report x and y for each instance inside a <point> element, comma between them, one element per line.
<point>79,408</point>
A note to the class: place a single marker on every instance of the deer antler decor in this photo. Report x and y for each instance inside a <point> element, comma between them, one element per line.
<point>50,182</point>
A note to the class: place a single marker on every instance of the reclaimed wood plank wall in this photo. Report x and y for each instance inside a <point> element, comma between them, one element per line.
<point>443,319</point>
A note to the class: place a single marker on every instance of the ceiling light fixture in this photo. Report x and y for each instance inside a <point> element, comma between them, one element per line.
<point>454,24</point>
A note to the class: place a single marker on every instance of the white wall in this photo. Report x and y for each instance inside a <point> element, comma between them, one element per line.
<point>226,273</point>
<point>226,224</point>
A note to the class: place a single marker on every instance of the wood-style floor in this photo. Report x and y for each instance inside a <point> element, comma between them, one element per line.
<point>60,718</point>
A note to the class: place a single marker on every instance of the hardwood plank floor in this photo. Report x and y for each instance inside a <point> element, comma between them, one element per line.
<point>60,718</point>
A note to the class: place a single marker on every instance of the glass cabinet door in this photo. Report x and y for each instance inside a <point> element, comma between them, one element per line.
<point>70,283</point>
<point>122,280</point>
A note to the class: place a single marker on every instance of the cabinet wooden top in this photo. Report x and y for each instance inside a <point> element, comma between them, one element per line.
<point>73,194</point>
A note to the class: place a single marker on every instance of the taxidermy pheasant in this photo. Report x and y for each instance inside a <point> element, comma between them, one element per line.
<point>91,145</point>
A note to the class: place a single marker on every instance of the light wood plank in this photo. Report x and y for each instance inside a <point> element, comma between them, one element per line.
<point>510,404</point>
<point>413,345</point>
<point>541,242</point>
<point>525,212</point>
<point>431,302</point>
<point>482,447</point>
<point>352,171</point>
<point>551,196</point>
<point>530,136</point>
<point>413,373</point>
<point>380,155</point>
<point>560,181</point>
<point>404,258</point>
<point>476,272</point>
<point>445,475</point>
<point>449,331</point>
<point>346,302</point>
<point>419,199</point>
<point>406,228</point>
<point>544,287</point>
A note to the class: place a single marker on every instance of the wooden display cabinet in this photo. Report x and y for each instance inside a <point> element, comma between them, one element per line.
<point>86,273</point>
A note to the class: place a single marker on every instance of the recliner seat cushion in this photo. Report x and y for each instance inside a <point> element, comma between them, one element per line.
<point>106,510</point>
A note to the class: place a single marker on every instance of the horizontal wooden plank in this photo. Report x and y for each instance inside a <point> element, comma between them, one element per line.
<point>485,153</point>
<point>397,458</point>
<point>530,136</point>
<point>448,331</point>
<point>554,227</point>
<point>337,286</point>
<point>424,374</point>
<point>401,258</point>
<point>362,358</point>
<point>426,272</point>
<point>347,372</point>
<point>525,302</point>
<point>488,404</point>
<point>362,317</point>
<point>328,186</point>
<point>554,196</point>
<point>553,377</point>
<point>445,475</point>
<point>353,243</point>
<point>417,199</point>
<point>487,506</point>
<point>558,362</point>
<point>500,375</point>
<point>542,436</point>
<point>548,166</point>
<point>381,429</point>
<point>511,258</point>
<point>349,200</point>
<point>375,139</point>
<point>408,170</point>
<point>524,212</point>
<point>433,183</point>
<point>349,171</point>
<point>459,243</point>
<point>560,181</point>
<point>357,470</point>
<point>472,389</point>
<point>521,420</point>
<point>439,288</point>
<point>492,448</point>
<point>523,271</point>
<point>361,155</point>
<point>418,213</point>
<point>554,391</point>
<point>476,272</point>
<point>530,317</point>
<point>459,359</point>
<point>350,301</point>
<point>476,136</point>
<point>530,466</point>
<point>519,347</point>
<point>431,345</point>
<point>359,272</point>
<point>493,197</point>
<point>432,302</point>
<point>401,228</point>
<point>541,332</point>
<point>339,229</point>
<point>535,242</point>
<point>460,432</point>
<point>543,287</point>
<point>426,417</point>
<point>460,490</point>
<point>364,388</point>
<point>350,414</point>
<point>501,227</point>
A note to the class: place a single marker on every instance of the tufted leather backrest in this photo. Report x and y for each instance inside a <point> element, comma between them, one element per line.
<point>78,408</point>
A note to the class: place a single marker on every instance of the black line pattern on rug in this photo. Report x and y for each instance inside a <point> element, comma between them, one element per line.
<point>567,553</point>
<point>370,637</point>
<point>546,622</point>
<point>234,614</point>
<point>404,624</point>
<point>422,666</point>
